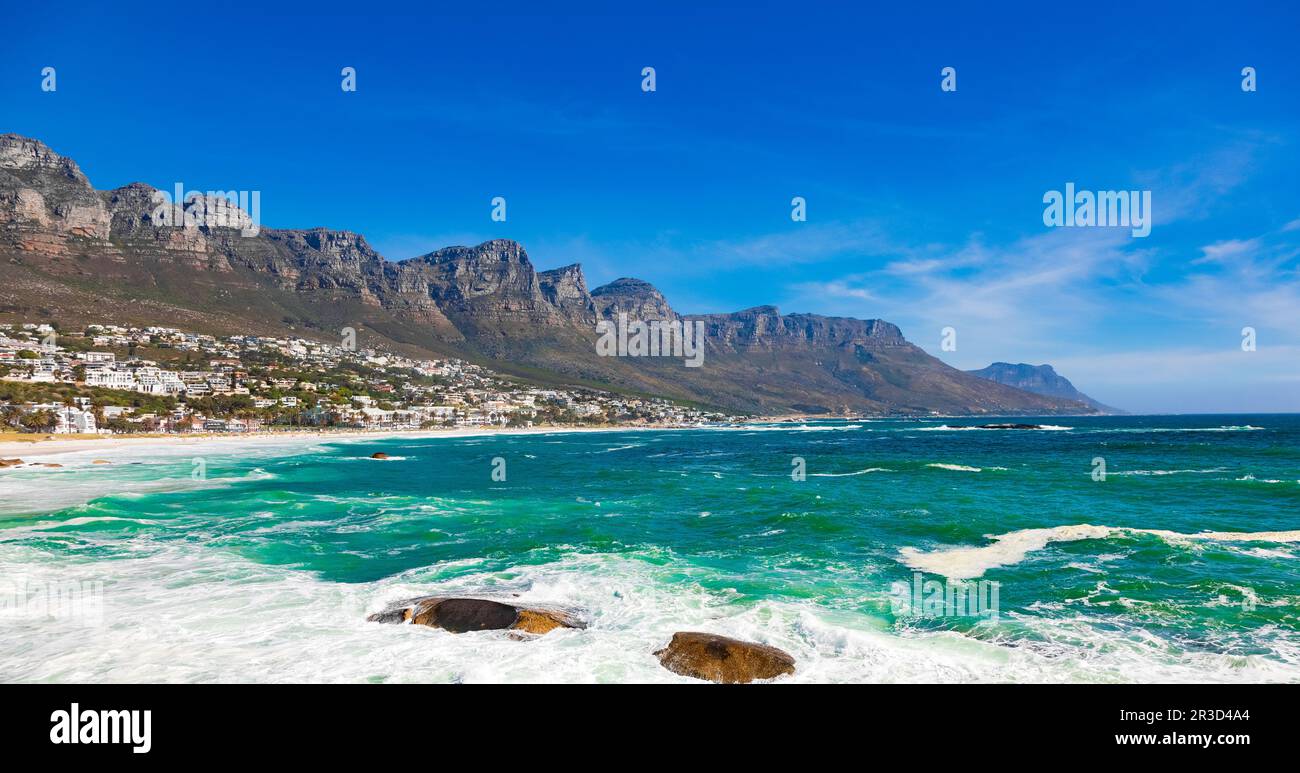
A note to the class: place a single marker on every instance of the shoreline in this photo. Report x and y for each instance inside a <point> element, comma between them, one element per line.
<point>15,445</point>
<point>53,445</point>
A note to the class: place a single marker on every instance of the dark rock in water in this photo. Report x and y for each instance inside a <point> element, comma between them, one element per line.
<point>10,462</point>
<point>1010,426</point>
<point>721,659</point>
<point>379,455</point>
<point>463,615</point>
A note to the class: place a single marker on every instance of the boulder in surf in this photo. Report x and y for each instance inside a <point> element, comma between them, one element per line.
<point>462,615</point>
<point>722,659</point>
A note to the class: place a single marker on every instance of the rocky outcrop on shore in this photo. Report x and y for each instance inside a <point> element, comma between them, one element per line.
<point>722,659</point>
<point>461,615</point>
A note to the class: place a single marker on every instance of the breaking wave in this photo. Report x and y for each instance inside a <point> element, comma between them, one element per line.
<point>962,563</point>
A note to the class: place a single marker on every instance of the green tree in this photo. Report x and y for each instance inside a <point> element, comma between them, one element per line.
<point>40,421</point>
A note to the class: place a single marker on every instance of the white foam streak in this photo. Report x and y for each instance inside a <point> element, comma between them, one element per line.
<point>848,474</point>
<point>962,563</point>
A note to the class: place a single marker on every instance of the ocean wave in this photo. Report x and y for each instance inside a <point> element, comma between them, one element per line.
<point>776,428</point>
<point>18,534</point>
<point>1168,472</point>
<point>79,486</point>
<point>213,616</point>
<point>960,428</point>
<point>847,474</point>
<point>962,563</point>
<point>1225,428</point>
<point>961,467</point>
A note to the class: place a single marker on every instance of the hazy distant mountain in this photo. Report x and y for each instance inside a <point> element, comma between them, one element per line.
<point>1039,379</point>
<point>76,255</point>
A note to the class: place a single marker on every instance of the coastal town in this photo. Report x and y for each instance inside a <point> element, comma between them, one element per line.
<point>111,379</point>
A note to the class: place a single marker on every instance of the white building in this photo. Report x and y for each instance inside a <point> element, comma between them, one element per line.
<point>110,378</point>
<point>71,420</point>
<point>155,381</point>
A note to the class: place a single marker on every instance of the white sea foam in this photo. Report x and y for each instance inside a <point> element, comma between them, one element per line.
<point>960,428</point>
<point>847,474</point>
<point>193,614</point>
<point>784,428</point>
<point>961,563</point>
<point>1139,430</point>
<point>1168,472</point>
<point>957,467</point>
<point>20,493</point>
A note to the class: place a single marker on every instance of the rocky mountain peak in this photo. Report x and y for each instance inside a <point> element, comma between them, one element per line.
<point>29,158</point>
<point>45,199</point>
<point>1038,379</point>
<point>636,298</point>
<point>566,289</point>
<point>343,245</point>
<point>493,250</point>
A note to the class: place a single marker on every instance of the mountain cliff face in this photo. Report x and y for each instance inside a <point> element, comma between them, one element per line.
<point>633,297</point>
<point>565,288</point>
<point>74,254</point>
<point>45,200</point>
<point>1039,379</point>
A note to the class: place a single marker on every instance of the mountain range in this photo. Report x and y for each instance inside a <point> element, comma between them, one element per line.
<point>71,253</point>
<point>1039,379</point>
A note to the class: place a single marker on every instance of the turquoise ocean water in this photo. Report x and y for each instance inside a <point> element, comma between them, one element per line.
<point>1181,565</point>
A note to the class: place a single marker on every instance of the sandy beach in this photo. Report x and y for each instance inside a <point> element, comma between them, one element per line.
<point>40,446</point>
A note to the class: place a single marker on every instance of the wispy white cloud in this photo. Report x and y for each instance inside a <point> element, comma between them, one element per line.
<point>1226,250</point>
<point>1109,310</point>
<point>1138,323</point>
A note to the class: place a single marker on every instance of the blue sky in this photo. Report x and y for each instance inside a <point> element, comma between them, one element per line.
<point>924,207</point>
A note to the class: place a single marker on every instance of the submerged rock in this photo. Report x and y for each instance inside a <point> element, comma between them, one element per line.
<point>722,659</point>
<point>1010,426</point>
<point>379,455</point>
<point>101,461</point>
<point>460,615</point>
<point>10,462</point>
